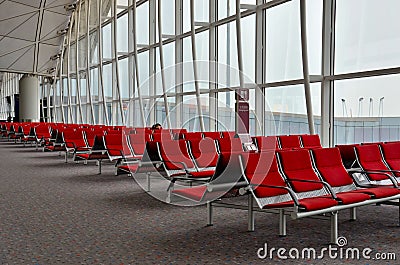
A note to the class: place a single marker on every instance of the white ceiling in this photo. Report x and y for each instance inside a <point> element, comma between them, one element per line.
<point>28,34</point>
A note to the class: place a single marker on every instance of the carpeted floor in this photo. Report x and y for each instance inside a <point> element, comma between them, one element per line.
<point>57,213</point>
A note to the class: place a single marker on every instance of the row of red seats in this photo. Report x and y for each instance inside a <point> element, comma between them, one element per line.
<point>298,182</point>
<point>376,162</point>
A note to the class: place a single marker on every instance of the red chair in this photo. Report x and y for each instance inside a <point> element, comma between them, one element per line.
<point>212,135</point>
<point>204,153</point>
<point>348,155</point>
<point>229,145</point>
<point>289,141</point>
<point>310,141</point>
<point>391,154</point>
<point>298,170</point>
<point>373,167</point>
<point>330,167</point>
<point>266,143</point>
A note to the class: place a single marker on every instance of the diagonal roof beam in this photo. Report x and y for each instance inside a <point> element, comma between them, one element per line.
<point>37,39</point>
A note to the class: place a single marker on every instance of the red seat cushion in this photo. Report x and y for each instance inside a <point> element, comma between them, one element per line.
<point>202,174</point>
<point>308,204</point>
<point>129,167</point>
<point>380,192</point>
<point>198,193</point>
<point>352,197</point>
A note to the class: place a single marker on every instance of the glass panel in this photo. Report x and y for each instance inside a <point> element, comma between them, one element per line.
<point>283,44</point>
<point>248,29</point>
<point>364,113</point>
<point>314,35</point>
<point>124,78</point>
<point>228,72</point>
<point>73,90</point>
<point>143,66</point>
<point>142,23</point>
<point>188,76</point>
<point>202,55</point>
<point>107,81</point>
<point>94,56</point>
<point>94,84</point>
<point>107,51</point>
<point>122,33</point>
<point>289,111</point>
<point>226,8</point>
<point>226,111</point>
<point>167,17</point>
<point>367,35</point>
<point>83,90</point>
<point>201,10</point>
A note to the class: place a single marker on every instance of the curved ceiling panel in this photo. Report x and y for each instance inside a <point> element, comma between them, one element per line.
<point>28,34</point>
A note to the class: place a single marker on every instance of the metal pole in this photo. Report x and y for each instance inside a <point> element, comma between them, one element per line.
<point>135,59</point>
<point>116,67</point>
<point>100,55</point>
<point>195,73</point>
<point>162,66</point>
<point>88,84</point>
<point>78,83</point>
<point>306,74</point>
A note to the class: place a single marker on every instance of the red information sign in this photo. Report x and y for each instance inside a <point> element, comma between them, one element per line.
<point>242,111</point>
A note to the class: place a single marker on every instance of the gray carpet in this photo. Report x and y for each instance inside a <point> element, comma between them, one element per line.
<point>57,213</point>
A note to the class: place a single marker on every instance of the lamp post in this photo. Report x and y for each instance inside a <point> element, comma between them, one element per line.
<point>344,107</point>
<point>360,106</point>
<point>380,111</point>
<point>371,107</point>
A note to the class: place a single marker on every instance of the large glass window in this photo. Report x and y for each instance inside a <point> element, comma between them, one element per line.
<point>364,113</point>
<point>283,44</point>
<point>367,35</point>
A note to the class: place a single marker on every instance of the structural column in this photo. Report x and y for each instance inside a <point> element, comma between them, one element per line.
<point>29,99</point>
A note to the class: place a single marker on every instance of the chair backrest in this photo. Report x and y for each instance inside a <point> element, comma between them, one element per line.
<point>90,135</point>
<point>330,167</point>
<point>348,155</point>
<point>370,159</point>
<point>138,143</point>
<point>175,155</point>
<point>289,141</point>
<point>116,146</point>
<point>310,141</point>
<point>73,137</point>
<point>259,172</point>
<point>265,143</point>
<point>192,135</point>
<point>161,135</point>
<point>204,152</point>
<point>391,154</point>
<point>212,135</point>
<point>297,165</point>
<point>229,145</point>
<point>228,134</point>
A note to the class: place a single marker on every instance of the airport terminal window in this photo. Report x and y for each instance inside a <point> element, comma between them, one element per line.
<point>364,113</point>
<point>123,67</point>
<point>288,108</point>
<point>122,34</point>
<point>367,35</point>
<point>283,44</point>
<point>167,17</point>
<point>228,69</point>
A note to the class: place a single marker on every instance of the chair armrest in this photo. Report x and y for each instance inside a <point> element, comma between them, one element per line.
<point>292,194</point>
<point>378,172</point>
<point>326,184</point>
